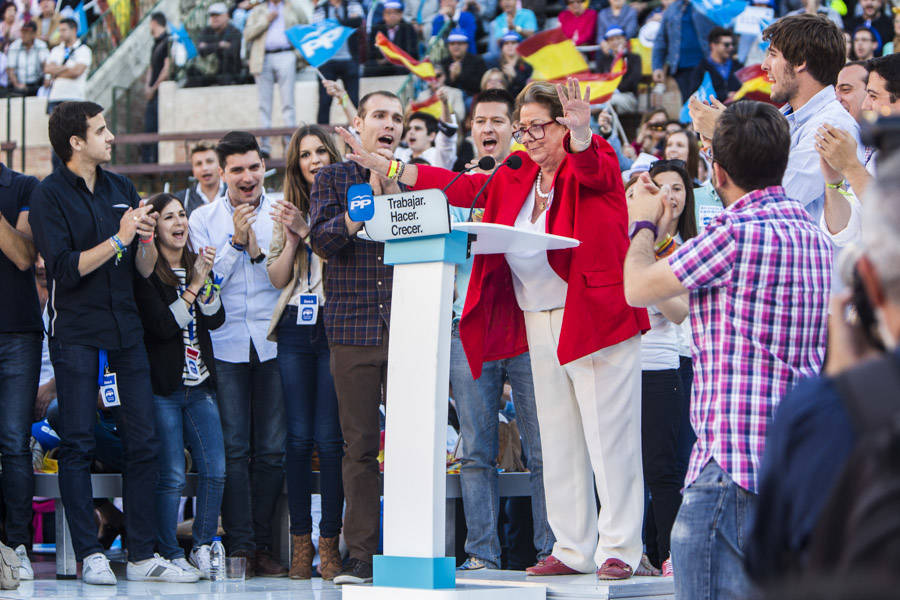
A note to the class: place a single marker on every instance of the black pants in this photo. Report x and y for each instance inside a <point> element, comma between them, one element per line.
<point>662,401</point>
<point>348,72</point>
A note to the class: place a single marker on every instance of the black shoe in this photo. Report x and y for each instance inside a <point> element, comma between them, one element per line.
<point>354,571</point>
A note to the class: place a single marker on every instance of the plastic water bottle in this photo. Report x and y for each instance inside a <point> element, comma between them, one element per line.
<point>217,560</point>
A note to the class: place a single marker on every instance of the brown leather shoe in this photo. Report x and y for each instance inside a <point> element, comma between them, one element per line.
<point>266,566</point>
<point>329,557</point>
<point>302,552</point>
<point>613,568</point>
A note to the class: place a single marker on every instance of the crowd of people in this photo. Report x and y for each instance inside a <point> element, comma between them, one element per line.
<point>669,376</point>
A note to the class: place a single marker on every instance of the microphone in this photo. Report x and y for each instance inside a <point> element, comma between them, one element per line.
<point>485,164</point>
<point>513,162</point>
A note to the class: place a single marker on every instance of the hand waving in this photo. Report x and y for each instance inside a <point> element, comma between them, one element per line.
<point>576,108</point>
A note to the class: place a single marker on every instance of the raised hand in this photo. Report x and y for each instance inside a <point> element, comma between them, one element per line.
<point>146,223</point>
<point>289,215</point>
<point>242,218</point>
<point>576,109</point>
<point>361,156</point>
<point>203,265</point>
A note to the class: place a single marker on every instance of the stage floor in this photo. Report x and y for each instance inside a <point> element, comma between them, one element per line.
<point>558,588</point>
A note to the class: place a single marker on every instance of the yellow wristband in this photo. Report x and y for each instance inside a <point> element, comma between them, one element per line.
<point>835,186</point>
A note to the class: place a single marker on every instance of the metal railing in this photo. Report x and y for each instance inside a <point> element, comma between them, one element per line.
<point>10,146</point>
<point>112,27</point>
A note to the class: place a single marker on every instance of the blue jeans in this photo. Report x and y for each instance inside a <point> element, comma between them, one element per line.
<point>188,417</point>
<point>310,404</point>
<point>20,369</point>
<point>709,536</point>
<point>477,407</point>
<point>75,367</point>
<point>251,408</point>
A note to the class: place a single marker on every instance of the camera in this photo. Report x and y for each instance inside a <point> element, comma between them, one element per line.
<point>860,312</point>
<point>883,134</point>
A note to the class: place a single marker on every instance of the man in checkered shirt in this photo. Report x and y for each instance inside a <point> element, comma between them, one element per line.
<point>759,279</point>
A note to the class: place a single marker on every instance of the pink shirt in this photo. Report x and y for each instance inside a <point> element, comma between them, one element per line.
<point>585,25</point>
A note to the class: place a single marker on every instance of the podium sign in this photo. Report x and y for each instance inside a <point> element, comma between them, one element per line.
<point>409,215</point>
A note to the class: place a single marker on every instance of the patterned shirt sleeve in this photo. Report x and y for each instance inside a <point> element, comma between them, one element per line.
<point>328,230</point>
<point>706,260</point>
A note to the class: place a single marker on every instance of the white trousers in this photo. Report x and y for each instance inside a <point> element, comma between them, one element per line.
<point>589,413</point>
<point>280,68</point>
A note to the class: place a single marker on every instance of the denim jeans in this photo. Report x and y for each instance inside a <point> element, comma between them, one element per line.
<point>477,407</point>
<point>251,408</point>
<point>188,417</point>
<point>20,369</point>
<point>310,404</point>
<point>75,367</point>
<point>709,536</point>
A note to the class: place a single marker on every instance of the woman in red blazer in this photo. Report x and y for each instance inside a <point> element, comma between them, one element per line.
<point>567,309</point>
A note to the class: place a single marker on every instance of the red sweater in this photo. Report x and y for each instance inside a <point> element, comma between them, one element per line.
<point>589,205</point>
<point>585,25</point>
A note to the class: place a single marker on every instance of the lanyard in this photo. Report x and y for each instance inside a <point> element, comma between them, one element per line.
<point>308,267</point>
<point>190,325</point>
<point>102,366</point>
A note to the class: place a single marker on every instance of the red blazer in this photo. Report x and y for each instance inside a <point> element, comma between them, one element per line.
<point>588,205</point>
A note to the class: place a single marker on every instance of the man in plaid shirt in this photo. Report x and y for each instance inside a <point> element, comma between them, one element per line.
<point>357,314</point>
<point>759,279</point>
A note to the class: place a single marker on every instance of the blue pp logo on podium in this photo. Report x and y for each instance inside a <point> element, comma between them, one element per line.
<point>360,203</point>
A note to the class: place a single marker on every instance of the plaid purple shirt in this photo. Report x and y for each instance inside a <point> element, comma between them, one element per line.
<point>357,282</point>
<point>760,277</point>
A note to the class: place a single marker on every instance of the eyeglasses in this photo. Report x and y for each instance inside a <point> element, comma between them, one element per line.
<point>727,44</point>
<point>656,126</point>
<point>663,165</point>
<point>536,131</point>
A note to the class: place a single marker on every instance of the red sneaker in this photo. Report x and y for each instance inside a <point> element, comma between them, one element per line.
<point>550,566</point>
<point>667,568</point>
<point>614,568</point>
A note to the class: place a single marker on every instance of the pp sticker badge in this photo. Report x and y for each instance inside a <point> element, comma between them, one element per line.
<point>308,309</point>
<point>109,391</point>
<point>192,362</point>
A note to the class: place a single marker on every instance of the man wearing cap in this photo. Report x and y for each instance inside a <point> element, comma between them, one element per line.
<point>221,40</point>
<point>272,60</point>
<point>464,70</point>
<point>400,33</point>
<point>624,98</point>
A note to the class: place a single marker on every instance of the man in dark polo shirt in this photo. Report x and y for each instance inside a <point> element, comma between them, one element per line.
<point>20,358</point>
<point>95,234</point>
<point>357,314</point>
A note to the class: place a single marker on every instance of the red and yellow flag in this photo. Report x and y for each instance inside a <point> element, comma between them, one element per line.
<point>755,84</point>
<point>395,55</point>
<point>552,55</point>
<point>431,105</point>
<point>602,84</point>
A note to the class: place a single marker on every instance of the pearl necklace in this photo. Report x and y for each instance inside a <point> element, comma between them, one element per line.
<point>543,199</point>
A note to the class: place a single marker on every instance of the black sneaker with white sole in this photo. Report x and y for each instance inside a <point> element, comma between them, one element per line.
<point>355,571</point>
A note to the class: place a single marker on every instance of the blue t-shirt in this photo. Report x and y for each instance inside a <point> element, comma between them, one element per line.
<point>463,270</point>
<point>723,69</point>
<point>691,51</point>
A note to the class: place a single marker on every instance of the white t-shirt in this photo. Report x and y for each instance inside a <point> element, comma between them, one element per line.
<point>65,88</point>
<point>659,346</point>
<point>536,284</point>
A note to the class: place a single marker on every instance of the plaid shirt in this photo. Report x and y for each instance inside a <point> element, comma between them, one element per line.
<point>358,284</point>
<point>760,277</point>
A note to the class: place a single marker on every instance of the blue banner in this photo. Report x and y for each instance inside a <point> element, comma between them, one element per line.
<point>181,35</point>
<point>81,17</point>
<point>704,92</point>
<point>320,42</point>
<point>721,12</point>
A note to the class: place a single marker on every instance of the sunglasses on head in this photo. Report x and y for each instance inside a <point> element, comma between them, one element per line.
<point>656,126</point>
<point>662,165</point>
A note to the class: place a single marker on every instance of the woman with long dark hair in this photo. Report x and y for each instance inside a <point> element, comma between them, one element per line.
<point>682,145</point>
<point>304,359</point>
<point>179,303</point>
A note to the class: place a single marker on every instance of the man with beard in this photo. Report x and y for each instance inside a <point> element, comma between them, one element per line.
<point>357,314</point>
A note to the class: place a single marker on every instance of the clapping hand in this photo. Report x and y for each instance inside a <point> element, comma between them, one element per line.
<point>146,223</point>
<point>576,109</point>
<point>648,202</point>
<point>295,226</point>
<point>837,147</point>
<point>242,218</point>
<point>704,115</point>
<point>203,266</point>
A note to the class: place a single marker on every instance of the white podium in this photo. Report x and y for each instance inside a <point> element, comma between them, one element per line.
<point>413,564</point>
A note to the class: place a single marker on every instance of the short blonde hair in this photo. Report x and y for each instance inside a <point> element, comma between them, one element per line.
<point>539,92</point>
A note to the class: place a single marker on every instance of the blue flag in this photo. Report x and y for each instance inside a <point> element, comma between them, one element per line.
<point>721,12</point>
<point>703,92</point>
<point>320,42</point>
<point>81,18</point>
<point>181,35</point>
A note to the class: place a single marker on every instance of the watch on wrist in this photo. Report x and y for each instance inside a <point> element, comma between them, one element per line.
<point>259,258</point>
<point>638,225</point>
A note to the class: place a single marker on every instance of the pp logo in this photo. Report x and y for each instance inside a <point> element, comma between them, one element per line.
<point>360,204</point>
<point>306,315</point>
<point>324,40</point>
<point>110,396</point>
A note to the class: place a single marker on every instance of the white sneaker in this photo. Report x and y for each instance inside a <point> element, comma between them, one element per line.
<point>26,573</point>
<point>200,559</point>
<point>158,569</point>
<point>95,570</point>
<point>185,566</point>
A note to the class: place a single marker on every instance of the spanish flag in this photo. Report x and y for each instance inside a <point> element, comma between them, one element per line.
<point>755,84</point>
<point>552,55</point>
<point>431,105</point>
<point>395,55</point>
<point>602,84</point>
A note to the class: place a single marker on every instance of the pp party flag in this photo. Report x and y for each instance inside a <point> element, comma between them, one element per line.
<point>552,55</point>
<point>755,84</point>
<point>431,105</point>
<point>397,56</point>
<point>181,35</point>
<point>320,42</point>
<point>81,18</point>
<point>720,12</point>
<point>704,92</point>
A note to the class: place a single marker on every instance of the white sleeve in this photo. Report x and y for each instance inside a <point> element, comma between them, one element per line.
<point>446,146</point>
<point>180,312</point>
<point>853,231</point>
